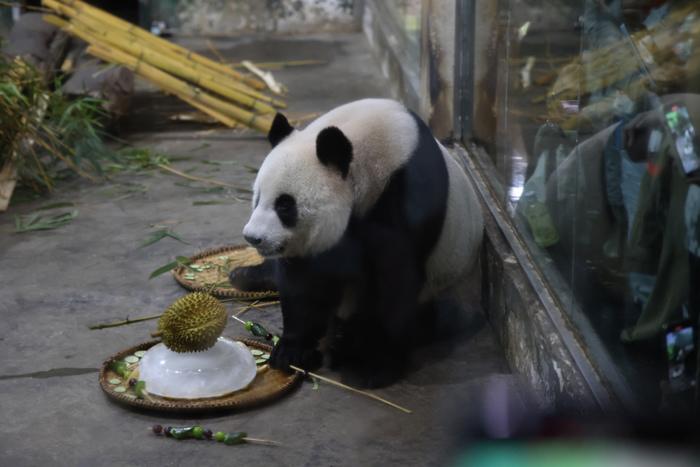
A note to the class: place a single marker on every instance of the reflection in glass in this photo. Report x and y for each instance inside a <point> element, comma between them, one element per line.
<point>598,110</point>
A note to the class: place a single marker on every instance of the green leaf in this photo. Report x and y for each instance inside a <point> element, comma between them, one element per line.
<point>35,221</point>
<point>164,269</point>
<point>179,261</point>
<point>140,389</point>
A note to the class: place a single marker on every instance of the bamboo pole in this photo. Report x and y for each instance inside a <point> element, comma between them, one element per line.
<point>167,59</point>
<point>170,65</point>
<point>165,81</point>
<point>159,42</point>
<point>181,88</point>
<point>229,122</point>
<point>350,388</point>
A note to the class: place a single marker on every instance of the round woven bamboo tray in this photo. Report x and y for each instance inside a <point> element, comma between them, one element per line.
<point>209,272</point>
<point>269,385</point>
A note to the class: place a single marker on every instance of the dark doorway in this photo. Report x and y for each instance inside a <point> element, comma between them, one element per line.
<point>126,9</point>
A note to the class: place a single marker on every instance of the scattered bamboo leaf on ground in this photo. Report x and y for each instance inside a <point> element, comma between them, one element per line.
<point>35,221</point>
<point>161,234</point>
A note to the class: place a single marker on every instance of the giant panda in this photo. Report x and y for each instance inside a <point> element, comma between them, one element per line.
<point>363,218</point>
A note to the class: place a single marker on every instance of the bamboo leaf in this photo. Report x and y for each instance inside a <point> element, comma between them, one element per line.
<point>179,261</point>
<point>35,221</point>
<point>159,235</point>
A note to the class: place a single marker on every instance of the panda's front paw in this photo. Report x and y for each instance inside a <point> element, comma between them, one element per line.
<point>259,278</point>
<point>288,353</point>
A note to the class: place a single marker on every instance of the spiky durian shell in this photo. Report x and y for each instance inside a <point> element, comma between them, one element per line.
<point>192,323</point>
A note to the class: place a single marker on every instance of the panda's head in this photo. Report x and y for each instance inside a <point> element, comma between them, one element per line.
<point>302,199</point>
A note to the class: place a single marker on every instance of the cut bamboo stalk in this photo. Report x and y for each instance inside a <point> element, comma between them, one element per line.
<point>229,122</point>
<point>180,88</point>
<point>159,42</point>
<point>164,80</point>
<point>172,66</point>
<point>124,37</point>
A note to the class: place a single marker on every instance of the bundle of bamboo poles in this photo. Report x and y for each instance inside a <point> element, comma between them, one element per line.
<point>225,94</point>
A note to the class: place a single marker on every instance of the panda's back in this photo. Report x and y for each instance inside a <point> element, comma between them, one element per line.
<point>402,175</point>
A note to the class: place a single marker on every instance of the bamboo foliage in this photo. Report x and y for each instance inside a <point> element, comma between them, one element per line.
<point>211,87</point>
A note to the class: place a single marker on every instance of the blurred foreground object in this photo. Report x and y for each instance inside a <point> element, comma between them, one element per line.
<point>503,430</point>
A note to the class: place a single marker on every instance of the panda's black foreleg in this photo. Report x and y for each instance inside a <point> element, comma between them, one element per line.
<point>378,338</point>
<point>305,321</point>
<point>307,301</point>
<point>258,278</point>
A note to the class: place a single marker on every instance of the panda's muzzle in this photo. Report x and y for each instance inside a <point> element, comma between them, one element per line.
<point>265,249</point>
<point>254,241</point>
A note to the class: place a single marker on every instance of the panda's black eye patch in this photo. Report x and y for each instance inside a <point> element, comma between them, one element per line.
<point>286,209</point>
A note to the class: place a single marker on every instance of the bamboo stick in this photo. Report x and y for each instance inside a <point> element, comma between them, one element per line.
<point>159,42</point>
<point>172,66</point>
<point>155,54</point>
<point>193,177</point>
<point>350,388</point>
<point>181,88</point>
<point>229,122</point>
<point>164,80</point>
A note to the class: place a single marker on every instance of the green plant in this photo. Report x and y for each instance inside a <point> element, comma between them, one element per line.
<point>43,132</point>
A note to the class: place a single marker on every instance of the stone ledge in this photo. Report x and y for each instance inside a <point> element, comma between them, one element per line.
<point>538,340</point>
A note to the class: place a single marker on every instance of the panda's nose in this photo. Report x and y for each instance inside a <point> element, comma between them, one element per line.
<point>255,241</point>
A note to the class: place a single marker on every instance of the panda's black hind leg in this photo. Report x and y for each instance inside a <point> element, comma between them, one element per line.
<point>377,371</point>
<point>366,355</point>
<point>258,278</point>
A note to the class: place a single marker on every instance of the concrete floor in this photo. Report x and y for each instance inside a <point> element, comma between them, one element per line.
<point>57,283</point>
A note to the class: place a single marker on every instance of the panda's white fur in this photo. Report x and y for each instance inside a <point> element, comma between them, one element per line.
<point>383,136</point>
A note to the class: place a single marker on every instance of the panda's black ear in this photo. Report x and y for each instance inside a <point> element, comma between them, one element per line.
<point>334,149</point>
<point>279,130</point>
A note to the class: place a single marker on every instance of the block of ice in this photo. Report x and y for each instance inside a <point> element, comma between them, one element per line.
<point>226,367</point>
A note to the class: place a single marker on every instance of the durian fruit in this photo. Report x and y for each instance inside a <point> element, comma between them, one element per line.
<point>192,323</point>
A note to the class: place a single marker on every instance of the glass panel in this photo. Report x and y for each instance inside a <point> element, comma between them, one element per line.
<point>407,16</point>
<point>597,148</point>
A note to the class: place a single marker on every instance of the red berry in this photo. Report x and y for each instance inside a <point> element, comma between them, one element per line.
<point>208,434</point>
<point>157,429</point>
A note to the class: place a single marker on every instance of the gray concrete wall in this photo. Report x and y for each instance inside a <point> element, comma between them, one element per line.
<point>229,17</point>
